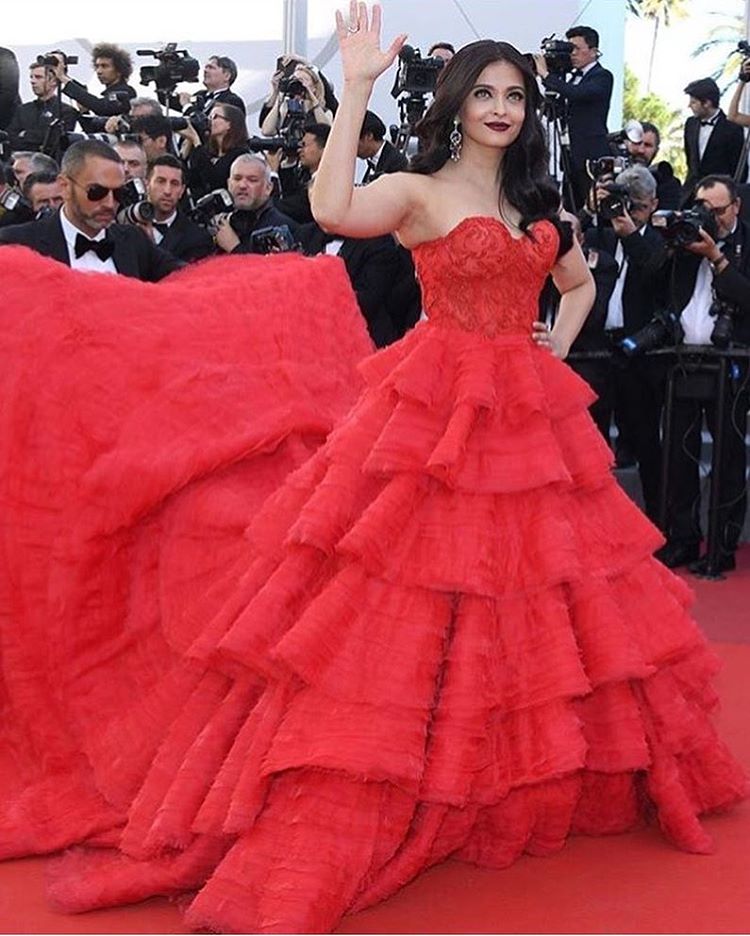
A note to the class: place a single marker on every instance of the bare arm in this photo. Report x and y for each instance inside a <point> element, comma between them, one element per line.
<point>733,113</point>
<point>336,205</point>
<point>575,284</point>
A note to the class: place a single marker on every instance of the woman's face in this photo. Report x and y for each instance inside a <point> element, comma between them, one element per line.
<point>219,122</point>
<point>493,112</point>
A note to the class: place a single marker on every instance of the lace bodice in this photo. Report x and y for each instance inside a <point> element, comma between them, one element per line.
<point>480,278</point>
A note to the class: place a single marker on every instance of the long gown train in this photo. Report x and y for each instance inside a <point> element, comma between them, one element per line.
<point>448,637</point>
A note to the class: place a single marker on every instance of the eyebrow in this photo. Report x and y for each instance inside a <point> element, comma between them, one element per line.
<point>490,87</point>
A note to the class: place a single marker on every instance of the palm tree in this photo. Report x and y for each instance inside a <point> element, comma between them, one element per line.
<point>659,11</point>
<point>723,37</point>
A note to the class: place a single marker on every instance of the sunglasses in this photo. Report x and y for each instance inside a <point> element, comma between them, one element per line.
<point>96,192</point>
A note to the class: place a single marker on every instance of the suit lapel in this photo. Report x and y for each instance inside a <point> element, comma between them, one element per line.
<point>55,245</point>
<point>124,255</point>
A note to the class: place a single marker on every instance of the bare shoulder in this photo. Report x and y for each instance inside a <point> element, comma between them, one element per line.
<point>425,217</point>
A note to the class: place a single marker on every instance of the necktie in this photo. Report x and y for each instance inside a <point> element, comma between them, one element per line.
<point>102,248</point>
<point>708,123</point>
<point>161,228</point>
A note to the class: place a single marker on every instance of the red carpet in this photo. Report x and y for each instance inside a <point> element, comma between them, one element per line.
<point>633,883</point>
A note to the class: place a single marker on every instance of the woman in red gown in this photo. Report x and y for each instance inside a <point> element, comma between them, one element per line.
<point>450,637</point>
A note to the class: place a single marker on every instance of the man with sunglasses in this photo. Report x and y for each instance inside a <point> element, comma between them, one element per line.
<point>83,233</point>
<point>715,268</point>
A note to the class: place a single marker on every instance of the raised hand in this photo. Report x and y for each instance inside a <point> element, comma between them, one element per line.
<point>359,41</point>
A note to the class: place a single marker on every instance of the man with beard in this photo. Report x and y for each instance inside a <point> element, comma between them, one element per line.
<point>643,153</point>
<point>251,187</point>
<point>172,230</point>
<point>82,234</point>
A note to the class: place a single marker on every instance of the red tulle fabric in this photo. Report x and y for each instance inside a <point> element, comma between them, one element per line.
<point>445,634</point>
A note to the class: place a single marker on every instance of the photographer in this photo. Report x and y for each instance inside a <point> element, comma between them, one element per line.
<point>643,152</point>
<point>154,134</point>
<point>298,81</point>
<point>713,145</point>
<point>626,386</point>
<point>14,207</point>
<point>587,92</point>
<point>209,164</point>
<point>251,187</point>
<point>296,203</point>
<point>133,158</point>
<point>443,50</point>
<point>43,192</point>
<point>35,123</point>
<point>113,67</point>
<point>173,231</point>
<point>82,234</point>
<point>219,74</point>
<point>707,282</point>
<point>380,154</point>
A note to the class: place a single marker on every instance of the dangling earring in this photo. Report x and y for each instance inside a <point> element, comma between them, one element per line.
<point>455,140</point>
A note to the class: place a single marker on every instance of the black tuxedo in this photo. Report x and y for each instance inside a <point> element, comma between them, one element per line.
<point>187,240</point>
<point>134,253</point>
<point>204,100</point>
<point>721,155</point>
<point>587,106</point>
<point>296,204</point>
<point>30,124</point>
<point>390,160</point>
<point>668,186</point>
<point>376,270</point>
<point>9,98</point>
<point>107,104</point>
<point>678,276</point>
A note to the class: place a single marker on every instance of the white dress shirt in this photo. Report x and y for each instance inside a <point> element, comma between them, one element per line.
<point>158,236</point>
<point>583,72</point>
<point>695,318</point>
<point>89,261</point>
<point>704,133</point>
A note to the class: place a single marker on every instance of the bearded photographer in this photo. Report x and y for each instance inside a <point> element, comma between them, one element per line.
<point>706,282</point>
<point>643,153</point>
<point>83,233</point>
<point>113,67</point>
<point>172,230</point>
<point>586,91</point>
<point>251,187</point>
<point>36,122</point>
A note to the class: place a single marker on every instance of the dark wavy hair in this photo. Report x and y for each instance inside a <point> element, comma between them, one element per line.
<point>237,133</point>
<point>526,182</point>
<point>119,57</point>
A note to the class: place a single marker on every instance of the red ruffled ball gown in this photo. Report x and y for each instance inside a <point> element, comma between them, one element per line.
<point>451,640</point>
<point>141,427</point>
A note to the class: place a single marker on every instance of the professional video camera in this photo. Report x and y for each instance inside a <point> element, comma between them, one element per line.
<point>679,228</point>
<point>134,206</point>
<point>415,79</point>
<point>664,329</point>
<point>52,59</point>
<point>556,54</point>
<point>207,208</point>
<point>175,65</point>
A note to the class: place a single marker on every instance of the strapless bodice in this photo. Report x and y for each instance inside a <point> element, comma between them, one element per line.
<point>480,278</point>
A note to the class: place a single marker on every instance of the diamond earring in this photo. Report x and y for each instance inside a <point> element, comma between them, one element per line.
<point>455,140</point>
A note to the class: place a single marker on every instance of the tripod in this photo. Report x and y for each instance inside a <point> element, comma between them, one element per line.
<point>558,145</point>
<point>411,110</point>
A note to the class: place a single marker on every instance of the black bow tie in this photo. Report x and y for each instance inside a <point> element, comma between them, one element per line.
<point>161,228</point>
<point>102,248</point>
<point>708,123</point>
<point>577,73</point>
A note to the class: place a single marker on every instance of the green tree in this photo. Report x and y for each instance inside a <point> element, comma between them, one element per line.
<point>660,12</point>
<point>655,110</point>
<point>723,37</point>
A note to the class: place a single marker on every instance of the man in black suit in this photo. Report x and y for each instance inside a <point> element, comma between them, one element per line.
<point>35,123</point>
<point>690,280</point>
<point>172,230</point>
<point>113,67</point>
<point>219,74</point>
<point>713,144</point>
<point>627,387</point>
<point>381,156</point>
<point>375,270</point>
<point>82,234</point>
<point>586,93</point>
<point>251,187</point>
<point>296,203</point>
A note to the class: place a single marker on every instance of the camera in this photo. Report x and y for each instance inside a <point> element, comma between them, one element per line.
<point>12,202</point>
<point>6,149</point>
<point>605,166</point>
<point>721,334</point>
<point>291,86</point>
<point>175,65</point>
<point>267,240</point>
<point>416,75</point>
<point>134,207</point>
<point>664,328</point>
<point>679,228</point>
<point>209,206</point>
<point>743,47</point>
<point>556,54</point>
<point>52,59</point>
<point>615,203</point>
<point>290,133</point>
